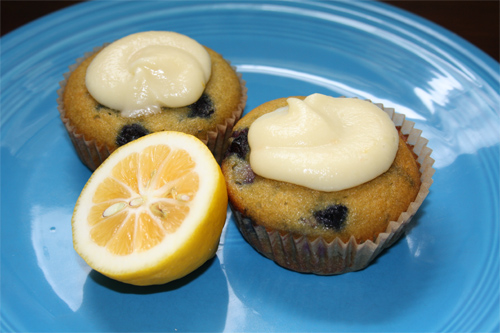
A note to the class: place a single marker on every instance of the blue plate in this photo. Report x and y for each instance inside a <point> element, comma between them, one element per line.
<point>443,275</point>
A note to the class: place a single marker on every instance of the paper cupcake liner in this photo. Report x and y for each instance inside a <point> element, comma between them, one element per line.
<point>92,154</point>
<point>217,141</point>
<point>318,256</point>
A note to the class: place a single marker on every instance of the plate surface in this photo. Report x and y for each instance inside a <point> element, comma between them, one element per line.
<point>443,275</point>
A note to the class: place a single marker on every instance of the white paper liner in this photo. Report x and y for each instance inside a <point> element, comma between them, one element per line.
<point>318,256</point>
<point>92,154</point>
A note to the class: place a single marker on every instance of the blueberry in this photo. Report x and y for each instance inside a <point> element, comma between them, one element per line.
<point>130,133</point>
<point>249,175</point>
<point>245,174</point>
<point>239,145</point>
<point>333,217</point>
<point>102,108</point>
<point>202,108</point>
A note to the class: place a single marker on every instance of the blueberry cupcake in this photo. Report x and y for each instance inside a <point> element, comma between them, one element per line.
<point>322,184</point>
<point>149,82</point>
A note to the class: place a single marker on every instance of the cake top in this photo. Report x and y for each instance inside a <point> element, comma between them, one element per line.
<point>143,72</point>
<point>323,143</point>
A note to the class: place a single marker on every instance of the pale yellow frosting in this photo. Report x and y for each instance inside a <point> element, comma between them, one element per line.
<point>323,143</point>
<point>142,72</point>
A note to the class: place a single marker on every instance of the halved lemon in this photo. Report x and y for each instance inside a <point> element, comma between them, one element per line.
<point>154,210</point>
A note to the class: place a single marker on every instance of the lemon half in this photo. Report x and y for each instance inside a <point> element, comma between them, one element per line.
<point>153,211</point>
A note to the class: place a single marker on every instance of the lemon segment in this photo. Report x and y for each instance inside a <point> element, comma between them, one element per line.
<point>153,211</point>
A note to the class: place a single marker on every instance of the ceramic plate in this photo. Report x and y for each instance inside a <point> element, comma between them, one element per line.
<point>443,275</point>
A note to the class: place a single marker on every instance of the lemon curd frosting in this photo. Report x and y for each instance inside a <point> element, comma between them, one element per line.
<point>323,143</point>
<point>143,72</point>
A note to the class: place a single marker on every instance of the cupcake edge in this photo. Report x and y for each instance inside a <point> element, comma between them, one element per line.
<point>93,154</point>
<point>318,256</point>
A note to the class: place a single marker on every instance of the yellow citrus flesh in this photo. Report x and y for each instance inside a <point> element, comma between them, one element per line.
<point>154,210</point>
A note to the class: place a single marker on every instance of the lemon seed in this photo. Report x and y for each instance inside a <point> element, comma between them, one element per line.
<point>113,209</point>
<point>136,202</point>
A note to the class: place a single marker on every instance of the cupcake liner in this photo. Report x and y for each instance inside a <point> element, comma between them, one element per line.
<point>93,154</point>
<point>322,257</point>
<point>217,141</point>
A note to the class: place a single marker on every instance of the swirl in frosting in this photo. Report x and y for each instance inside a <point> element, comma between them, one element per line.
<point>143,72</point>
<point>323,143</point>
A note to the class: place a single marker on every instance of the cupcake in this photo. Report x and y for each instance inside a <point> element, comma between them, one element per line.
<point>322,184</point>
<point>149,82</point>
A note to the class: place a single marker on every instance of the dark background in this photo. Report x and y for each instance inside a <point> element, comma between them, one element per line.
<point>475,21</point>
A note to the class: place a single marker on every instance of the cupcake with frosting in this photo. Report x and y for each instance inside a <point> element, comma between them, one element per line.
<point>322,184</point>
<point>149,82</point>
